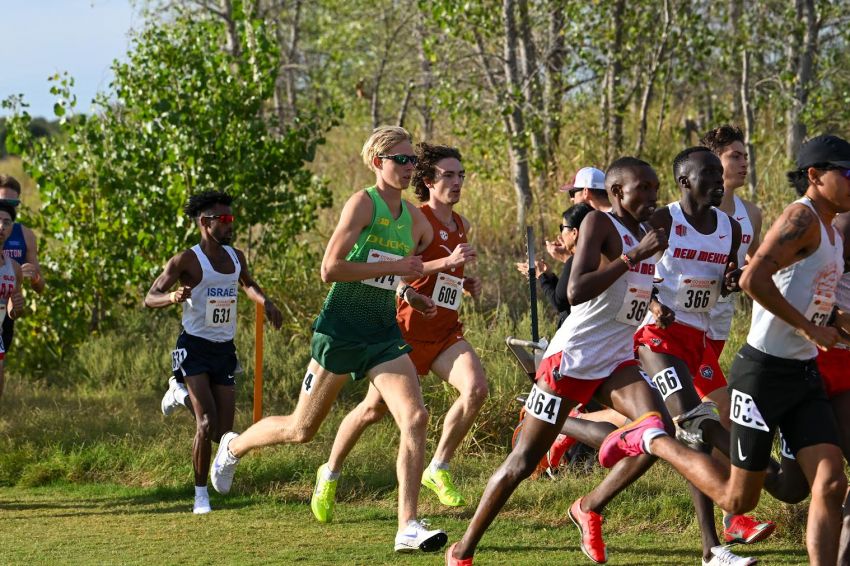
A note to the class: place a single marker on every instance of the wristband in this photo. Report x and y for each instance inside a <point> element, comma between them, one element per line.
<point>402,290</point>
<point>172,296</point>
<point>832,316</point>
<point>629,263</point>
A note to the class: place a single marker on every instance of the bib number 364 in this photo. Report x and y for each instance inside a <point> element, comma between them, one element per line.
<point>542,406</point>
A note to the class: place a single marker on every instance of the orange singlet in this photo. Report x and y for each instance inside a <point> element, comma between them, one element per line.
<point>430,337</point>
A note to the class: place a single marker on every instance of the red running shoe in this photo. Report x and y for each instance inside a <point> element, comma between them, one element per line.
<point>628,439</point>
<point>590,526</point>
<point>744,529</point>
<point>452,561</point>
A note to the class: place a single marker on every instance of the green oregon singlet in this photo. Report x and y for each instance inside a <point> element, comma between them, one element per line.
<point>366,310</point>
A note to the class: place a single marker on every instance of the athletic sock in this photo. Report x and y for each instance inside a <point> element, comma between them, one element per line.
<point>328,475</point>
<point>181,397</point>
<point>648,435</point>
<point>438,465</point>
<point>201,491</point>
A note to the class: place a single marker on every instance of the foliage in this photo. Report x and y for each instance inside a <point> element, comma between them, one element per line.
<point>183,115</point>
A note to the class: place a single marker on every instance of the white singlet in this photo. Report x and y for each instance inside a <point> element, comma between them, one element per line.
<point>210,313</point>
<point>692,268</point>
<point>720,318</point>
<point>597,335</point>
<point>809,285</point>
<point>7,286</point>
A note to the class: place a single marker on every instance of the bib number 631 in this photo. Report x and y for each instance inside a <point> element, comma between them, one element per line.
<point>542,406</point>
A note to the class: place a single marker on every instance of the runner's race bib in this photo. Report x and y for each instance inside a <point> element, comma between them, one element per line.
<point>448,291</point>
<point>636,300</point>
<point>388,282</point>
<point>697,294</point>
<point>177,357</point>
<point>542,406</point>
<point>820,309</point>
<point>667,382</point>
<point>221,311</point>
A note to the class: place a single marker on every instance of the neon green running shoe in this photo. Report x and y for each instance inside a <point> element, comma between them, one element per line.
<point>440,482</point>
<point>324,496</point>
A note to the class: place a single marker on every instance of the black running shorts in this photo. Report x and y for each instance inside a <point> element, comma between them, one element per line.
<point>769,393</point>
<point>195,356</point>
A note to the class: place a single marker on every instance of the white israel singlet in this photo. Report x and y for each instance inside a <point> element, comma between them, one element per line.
<point>720,319</point>
<point>597,335</point>
<point>809,285</point>
<point>210,312</point>
<point>692,268</point>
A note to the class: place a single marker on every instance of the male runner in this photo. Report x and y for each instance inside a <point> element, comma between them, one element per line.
<point>727,143</point>
<point>692,272</point>
<point>356,332</point>
<point>205,356</point>
<point>591,355</point>
<point>20,246</point>
<point>774,380</point>
<point>438,343</point>
<point>11,276</point>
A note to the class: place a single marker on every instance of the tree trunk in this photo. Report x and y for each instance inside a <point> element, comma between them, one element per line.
<point>747,109</point>
<point>645,99</point>
<point>736,10</point>
<point>427,82</point>
<point>804,62</point>
<point>402,113</point>
<point>533,97</point>
<point>554,85</point>
<point>615,71</point>
<point>516,120</point>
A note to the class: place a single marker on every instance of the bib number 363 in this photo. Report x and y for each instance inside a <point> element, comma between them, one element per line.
<point>542,406</point>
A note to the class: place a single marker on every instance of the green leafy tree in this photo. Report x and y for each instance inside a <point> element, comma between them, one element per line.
<point>184,114</point>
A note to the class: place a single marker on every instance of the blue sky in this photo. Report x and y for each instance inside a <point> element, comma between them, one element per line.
<point>43,37</point>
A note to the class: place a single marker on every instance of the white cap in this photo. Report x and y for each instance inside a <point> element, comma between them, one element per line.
<point>586,178</point>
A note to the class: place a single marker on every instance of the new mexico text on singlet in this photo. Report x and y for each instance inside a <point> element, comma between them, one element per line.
<point>366,310</point>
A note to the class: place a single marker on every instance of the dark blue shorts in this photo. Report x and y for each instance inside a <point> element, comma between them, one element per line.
<point>196,356</point>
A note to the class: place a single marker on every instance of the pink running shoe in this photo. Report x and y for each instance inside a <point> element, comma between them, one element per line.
<point>452,561</point>
<point>556,452</point>
<point>744,529</point>
<point>589,525</point>
<point>627,440</point>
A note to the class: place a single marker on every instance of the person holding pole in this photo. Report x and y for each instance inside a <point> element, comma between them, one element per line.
<point>356,332</point>
<point>205,356</point>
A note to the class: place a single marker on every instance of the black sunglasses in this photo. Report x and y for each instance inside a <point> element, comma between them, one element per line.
<point>401,159</point>
<point>562,226</point>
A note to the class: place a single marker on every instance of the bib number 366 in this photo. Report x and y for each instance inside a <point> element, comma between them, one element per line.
<point>542,406</point>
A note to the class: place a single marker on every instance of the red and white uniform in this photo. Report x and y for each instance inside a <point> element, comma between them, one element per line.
<point>720,320</point>
<point>596,338</point>
<point>8,282</point>
<point>429,337</point>
<point>692,268</point>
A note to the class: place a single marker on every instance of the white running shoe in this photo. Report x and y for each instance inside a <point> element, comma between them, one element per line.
<point>202,505</point>
<point>169,402</point>
<point>725,557</point>
<point>224,465</point>
<point>417,537</point>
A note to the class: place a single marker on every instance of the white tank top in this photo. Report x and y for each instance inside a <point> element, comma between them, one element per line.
<point>210,313</point>
<point>7,286</point>
<point>720,319</point>
<point>692,268</point>
<point>597,335</point>
<point>809,285</point>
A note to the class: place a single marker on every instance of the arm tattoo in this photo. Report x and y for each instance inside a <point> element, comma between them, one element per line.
<point>795,225</point>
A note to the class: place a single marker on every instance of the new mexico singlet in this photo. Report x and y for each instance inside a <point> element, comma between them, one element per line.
<point>210,312</point>
<point>720,321</point>
<point>366,310</point>
<point>692,268</point>
<point>809,285</point>
<point>445,288</point>
<point>597,335</point>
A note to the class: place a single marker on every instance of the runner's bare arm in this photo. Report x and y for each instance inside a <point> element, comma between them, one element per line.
<point>159,295</point>
<point>356,216</point>
<point>794,235</point>
<point>16,303</point>
<point>255,293</point>
<point>31,269</point>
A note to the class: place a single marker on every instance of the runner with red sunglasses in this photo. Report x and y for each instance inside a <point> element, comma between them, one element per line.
<point>204,359</point>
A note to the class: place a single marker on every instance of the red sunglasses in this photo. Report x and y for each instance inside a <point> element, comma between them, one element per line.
<point>223,218</point>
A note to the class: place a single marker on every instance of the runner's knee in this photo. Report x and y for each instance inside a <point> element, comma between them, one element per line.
<point>476,393</point>
<point>371,414</point>
<point>205,427</point>
<point>519,465</point>
<point>740,503</point>
<point>830,485</point>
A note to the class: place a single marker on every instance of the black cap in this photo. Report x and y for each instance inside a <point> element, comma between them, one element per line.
<point>824,150</point>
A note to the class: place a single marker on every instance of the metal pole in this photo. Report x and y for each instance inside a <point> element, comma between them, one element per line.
<point>532,283</point>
